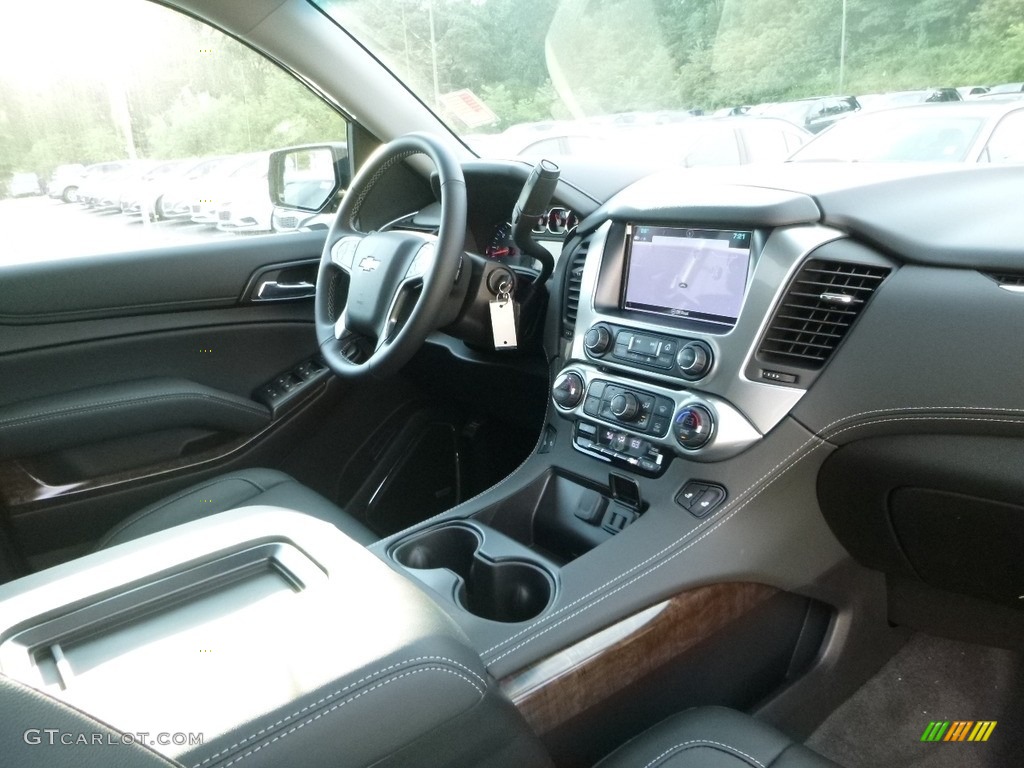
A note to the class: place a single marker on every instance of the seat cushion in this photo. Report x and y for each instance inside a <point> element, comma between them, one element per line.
<point>713,737</point>
<point>230,491</point>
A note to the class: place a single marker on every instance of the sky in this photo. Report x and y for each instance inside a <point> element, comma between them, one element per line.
<point>45,40</point>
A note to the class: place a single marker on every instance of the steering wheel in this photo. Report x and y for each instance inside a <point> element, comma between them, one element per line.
<point>396,281</point>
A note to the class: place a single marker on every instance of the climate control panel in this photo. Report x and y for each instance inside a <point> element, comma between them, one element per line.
<point>636,409</point>
<point>641,426</point>
<point>688,359</point>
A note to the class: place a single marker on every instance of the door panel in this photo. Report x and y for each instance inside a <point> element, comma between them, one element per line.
<point>185,277</point>
<point>126,377</point>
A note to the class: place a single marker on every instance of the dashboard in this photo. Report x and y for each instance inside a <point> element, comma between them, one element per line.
<point>701,314</point>
<point>746,368</point>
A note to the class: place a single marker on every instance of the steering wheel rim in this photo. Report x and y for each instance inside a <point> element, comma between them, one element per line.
<point>385,269</point>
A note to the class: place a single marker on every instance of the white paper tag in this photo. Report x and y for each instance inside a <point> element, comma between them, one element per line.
<point>503,324</point>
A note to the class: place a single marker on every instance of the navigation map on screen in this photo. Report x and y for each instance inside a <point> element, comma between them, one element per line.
<point>694,273</point>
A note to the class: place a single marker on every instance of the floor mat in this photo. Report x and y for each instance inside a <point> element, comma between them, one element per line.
<point>931,680</point>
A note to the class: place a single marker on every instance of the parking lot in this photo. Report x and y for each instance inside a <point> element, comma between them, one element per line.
<point>39,229</point>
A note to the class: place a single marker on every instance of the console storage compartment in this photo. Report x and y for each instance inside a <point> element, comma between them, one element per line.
<point>268,635</point>
<point>561,516</point>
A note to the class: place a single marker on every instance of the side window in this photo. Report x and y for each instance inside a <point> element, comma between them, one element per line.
<point>1007,142</point>
<point>127,125</point>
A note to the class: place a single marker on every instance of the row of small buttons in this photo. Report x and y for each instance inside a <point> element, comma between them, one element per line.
<point>626,448</point>
<point>649,350</point>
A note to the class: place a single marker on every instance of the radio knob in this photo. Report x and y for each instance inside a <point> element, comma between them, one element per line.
<point>692,426</point>
<point>567,391</point>
<point>625,406</point>
<point>694,359</point>
<point>598,340</point>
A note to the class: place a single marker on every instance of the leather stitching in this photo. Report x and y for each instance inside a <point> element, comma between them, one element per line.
<point>107,405</point>
<point>373,181</point>
<point>348,687</point>
<point>330,297</point>
<point>341,704</point>
<point>735,506</point>
<point>705,743</point>
<point>120,527</point>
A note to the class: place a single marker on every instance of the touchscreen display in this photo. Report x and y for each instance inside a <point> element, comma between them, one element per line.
<point>694,273</point>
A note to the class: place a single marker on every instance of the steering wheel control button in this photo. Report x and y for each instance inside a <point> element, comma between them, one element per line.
<point>421,262</point>
<point>692,427</point>
<point>598,340</point>
<point>694,360</point>
<point>343,252</point>
<point>568,390</point>
<point>700,498</point>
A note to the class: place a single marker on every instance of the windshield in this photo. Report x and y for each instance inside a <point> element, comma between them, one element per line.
<point>519,77</point>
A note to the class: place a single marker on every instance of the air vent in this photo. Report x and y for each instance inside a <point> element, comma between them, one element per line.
<point>1009,280</point>
<point>571,300</point>
<point>819,307</point>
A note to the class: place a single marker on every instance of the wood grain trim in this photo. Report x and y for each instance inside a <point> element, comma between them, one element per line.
<point>564,685</point>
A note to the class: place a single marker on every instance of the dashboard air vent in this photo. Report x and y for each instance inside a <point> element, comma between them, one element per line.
<point>1008,280</point>
<point>571,300</point>
<point>819,307</point>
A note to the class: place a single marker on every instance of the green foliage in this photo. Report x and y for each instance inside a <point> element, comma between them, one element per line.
<point>198,93</point>
<point>192,91</point>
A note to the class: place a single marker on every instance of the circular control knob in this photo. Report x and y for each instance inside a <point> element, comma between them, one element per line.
<point>567,391</point>
<point>624,406</point>
<point>694,359</point>
<point>692,426</point>
<point>598,340</point>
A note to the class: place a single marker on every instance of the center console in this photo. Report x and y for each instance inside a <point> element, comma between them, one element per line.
<point>261,635</point>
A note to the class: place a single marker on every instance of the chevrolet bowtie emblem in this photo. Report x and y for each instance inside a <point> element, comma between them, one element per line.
<point>369,263</point>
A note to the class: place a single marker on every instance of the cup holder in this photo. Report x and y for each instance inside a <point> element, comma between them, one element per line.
<point>507,589</point>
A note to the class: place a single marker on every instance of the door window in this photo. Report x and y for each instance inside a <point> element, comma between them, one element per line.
<point>144,127</point>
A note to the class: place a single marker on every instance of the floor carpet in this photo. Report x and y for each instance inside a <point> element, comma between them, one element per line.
<point>929,680</point>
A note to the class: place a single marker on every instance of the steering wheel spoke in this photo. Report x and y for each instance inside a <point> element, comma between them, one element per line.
<point>341,330</point>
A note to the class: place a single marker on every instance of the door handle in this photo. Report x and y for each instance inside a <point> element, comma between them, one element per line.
<point>272,290</point>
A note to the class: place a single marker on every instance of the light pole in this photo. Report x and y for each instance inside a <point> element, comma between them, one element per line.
<point>433,53</point>
<point>842,50</point>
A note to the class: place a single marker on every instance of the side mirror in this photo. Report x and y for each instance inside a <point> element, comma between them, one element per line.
<point>310,178</point>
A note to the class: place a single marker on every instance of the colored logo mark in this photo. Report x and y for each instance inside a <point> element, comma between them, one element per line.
<point>959,730</point>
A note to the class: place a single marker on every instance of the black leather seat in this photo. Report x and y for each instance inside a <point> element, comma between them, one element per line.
<point>713,737</point>
<point>237,489</point>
